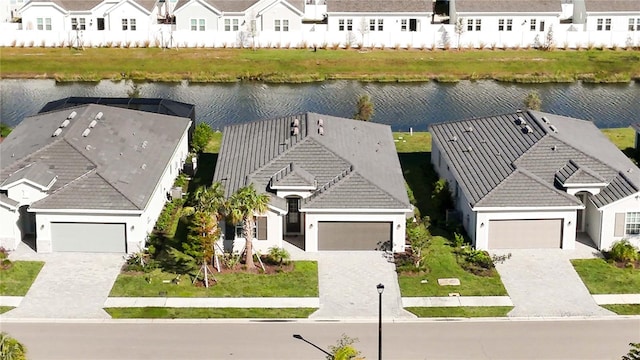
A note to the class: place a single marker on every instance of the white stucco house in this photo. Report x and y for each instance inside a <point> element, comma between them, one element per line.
<point>505,23</point>
<point>333,183</point>
<point>90,177</point>
<point>608,22</point>
<point>240,23</point>
<point>381,23</point>
<point>536,180</point>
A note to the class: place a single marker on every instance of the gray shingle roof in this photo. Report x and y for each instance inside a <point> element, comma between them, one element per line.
<point>37,173</point>
<point>492,157</point>
<point>75,5</point>
<point>255,152</point>
<point>508,6</point>
<point>572,173</point>
<point>5,200</point>
<point>292,175</point>
<point>395,6</point>
<point>612,5</point>
<point>619,188</point>
<point>128,149</point>
<point>523,189</point>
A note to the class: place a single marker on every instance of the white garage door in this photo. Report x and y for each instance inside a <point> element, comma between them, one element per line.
<point>89,237</point>
<point>525,234</point>
<point>354,235</point>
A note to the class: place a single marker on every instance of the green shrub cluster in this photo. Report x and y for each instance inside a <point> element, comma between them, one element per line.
<point>623,251</point>
<point>165,220</point>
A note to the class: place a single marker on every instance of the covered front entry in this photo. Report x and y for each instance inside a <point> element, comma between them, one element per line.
<point>88,237</point>
<point>525,234</point>
<point>354,235</point>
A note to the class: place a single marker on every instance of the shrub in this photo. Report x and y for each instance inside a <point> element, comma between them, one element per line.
<point>11,349</point>
<point>623,251</point>
<point>344,349</point>
<point>5,263</point>
<point>278,256</point>
<point>201,137</point>
<point>231,260</point>
<point>418,236</point>
<point>140,261</point>
<point>441,195</point>
<point>458,240</point>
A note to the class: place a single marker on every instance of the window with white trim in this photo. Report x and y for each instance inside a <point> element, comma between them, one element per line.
<point>198,25</point>
<point>281,25</point>
<point>231,25</point>
<point>533,23</point>
<point>603,24</point>
<point>477,27</point>
<point>132,24</point>
<point>403,25</point>
<point>345,24</point>
<point>501,24</point>
<point>373,27</point>
<point>634,24</point>
<point>349,24</point>
<point>632,223</point>
<point>381,24</point>
<point>340,24</point>
<point>78,23</point>
<point>125,24</point>
<point>43,23</point>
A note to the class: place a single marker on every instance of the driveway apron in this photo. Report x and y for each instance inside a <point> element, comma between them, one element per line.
<point>70,286</point>
<point>542,282</point>
<point>347,281</point>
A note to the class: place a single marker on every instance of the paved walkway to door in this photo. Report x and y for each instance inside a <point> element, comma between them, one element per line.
<point>542,282</point>
<point>69,286</point>
<point>347,284</point>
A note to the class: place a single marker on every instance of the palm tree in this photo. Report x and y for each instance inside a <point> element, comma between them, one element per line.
<point>207,211</point>
<point>242,206</point>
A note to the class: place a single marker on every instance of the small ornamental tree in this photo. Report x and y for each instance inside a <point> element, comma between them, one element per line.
<point>533,101</point>
<point>364,108</point>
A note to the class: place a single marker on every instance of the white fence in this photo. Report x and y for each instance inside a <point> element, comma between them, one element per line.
<point>431,36</point>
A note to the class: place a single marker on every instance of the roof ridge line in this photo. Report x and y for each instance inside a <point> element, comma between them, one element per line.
<point>24,158</point>
<point>118,191</point>
<point>547,185</point>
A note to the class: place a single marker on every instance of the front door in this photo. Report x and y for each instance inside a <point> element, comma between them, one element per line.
<point>293,215</point>
<point>413,24</point>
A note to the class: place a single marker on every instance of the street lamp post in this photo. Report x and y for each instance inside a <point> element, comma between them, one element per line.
<point>380,289</point>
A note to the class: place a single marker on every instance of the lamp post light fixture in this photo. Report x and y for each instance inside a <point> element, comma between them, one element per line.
<point>380,289</point>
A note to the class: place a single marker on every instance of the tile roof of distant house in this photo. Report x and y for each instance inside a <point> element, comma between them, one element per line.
<point>508,6</point>
<point>380,6</point>
<point>354,162</point>
<point>612,5</point>
<point>518,159</point>
<point>121,156</point>
<point>74,5</point>
<point>153,105</point>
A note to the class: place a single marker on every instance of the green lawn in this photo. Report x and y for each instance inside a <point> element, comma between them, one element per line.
<point>624,309</point>
<point>301,282</point>
<point>4,309</point>
<point>441,262</point>
<point>17,280</point>
<point>408,143</point>
<point>465,311</point>
<point>208,313</point>
<point>623,138</point>
<point>293,65</point>
<point>601,277</point>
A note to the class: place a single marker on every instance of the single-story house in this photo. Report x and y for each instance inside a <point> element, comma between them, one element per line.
<point>88,178</point>
<point>535,180</point>
<point>333,183</point>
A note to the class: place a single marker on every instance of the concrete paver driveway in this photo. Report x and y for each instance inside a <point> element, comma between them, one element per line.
<point>70,285</point>
<point>542,282</point>
<point>347,281</point>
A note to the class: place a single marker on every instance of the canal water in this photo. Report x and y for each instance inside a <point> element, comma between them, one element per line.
<point>401,105</point>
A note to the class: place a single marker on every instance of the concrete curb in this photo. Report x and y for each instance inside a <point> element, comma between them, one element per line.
<point>319,321</point>
<point>266,302</point>
<point>13,301</point>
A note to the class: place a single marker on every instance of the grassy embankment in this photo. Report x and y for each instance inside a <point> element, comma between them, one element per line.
<point>297,66</point>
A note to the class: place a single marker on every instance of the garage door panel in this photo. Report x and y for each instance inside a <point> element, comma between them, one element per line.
<point>353,235</point>
<point>525,234</point>
<point>88,237</point>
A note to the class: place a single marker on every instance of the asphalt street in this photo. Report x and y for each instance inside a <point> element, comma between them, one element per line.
<point>447,339</point>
